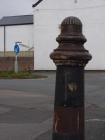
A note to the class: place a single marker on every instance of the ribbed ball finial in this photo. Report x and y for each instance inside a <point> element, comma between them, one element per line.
<point>71,25</point>
<point>71,21</point>
<point>71,41</point>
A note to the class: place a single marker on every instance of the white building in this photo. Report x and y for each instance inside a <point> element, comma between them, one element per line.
<point>48,15</point>
<point>16,29</point>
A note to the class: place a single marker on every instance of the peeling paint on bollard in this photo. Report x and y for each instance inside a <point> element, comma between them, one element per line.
<point>70,58</point>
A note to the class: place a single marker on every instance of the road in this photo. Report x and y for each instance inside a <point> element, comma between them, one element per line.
<point>26,107</point>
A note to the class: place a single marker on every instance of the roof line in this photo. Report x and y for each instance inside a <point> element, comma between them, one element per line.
<point>18,15</point>
<point>37,3</point>
<point>17,24</point>
<point>16,20</point>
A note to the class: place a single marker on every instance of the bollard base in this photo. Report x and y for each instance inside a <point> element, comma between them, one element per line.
<point>68,123</point>
<point>57,136</point>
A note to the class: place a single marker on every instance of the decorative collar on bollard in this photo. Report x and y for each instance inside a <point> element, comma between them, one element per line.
<point>71,50</point>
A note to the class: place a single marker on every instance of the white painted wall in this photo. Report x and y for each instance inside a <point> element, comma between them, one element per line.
<point>1,38</point>
<point>68,4</point>
<point>21,33</point>
<point>50,13</point>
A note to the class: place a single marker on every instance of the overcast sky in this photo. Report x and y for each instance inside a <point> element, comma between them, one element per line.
<point>16,7</point>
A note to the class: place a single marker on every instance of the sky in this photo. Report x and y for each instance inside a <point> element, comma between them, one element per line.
<point>16,7</point>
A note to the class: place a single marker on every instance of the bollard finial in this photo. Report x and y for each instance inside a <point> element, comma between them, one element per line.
<point>71,21</point>
<point>71,25</point>
<point>71,50</point>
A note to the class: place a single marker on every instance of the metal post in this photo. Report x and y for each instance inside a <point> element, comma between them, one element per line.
<point>16,50</point>
<point>16,64</point>
<point>70,58</point>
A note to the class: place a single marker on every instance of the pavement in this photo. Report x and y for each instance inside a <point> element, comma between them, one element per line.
<point>26,107</point>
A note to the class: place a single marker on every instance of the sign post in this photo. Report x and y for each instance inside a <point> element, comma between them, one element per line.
<point>16,50</point>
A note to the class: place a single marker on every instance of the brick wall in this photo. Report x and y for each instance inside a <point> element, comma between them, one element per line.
<point>24,63</point>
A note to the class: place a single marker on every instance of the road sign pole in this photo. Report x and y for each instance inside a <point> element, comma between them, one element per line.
<point>16,50</point>
<point>16,64</point>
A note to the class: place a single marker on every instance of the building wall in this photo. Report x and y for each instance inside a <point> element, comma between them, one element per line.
<point>68,4</point>
<point>47,18</point>
<point>21,33</point>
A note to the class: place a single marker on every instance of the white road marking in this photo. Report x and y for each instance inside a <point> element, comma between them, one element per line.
<point>95,120</point>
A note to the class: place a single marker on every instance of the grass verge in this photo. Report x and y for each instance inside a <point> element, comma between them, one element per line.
<point>20,75</point>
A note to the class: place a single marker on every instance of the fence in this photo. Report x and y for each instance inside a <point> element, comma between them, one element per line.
<point>21,54</point>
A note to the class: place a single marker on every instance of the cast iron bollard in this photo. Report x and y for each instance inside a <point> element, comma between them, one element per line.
<point>70,58</point>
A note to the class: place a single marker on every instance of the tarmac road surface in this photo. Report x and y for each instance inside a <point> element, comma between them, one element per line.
<point>26,107</point>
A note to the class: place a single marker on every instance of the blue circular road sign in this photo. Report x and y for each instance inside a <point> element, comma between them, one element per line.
<point>16,48</point>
